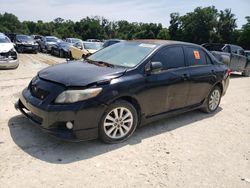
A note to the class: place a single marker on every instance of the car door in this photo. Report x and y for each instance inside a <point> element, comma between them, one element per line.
<point>76,50</point>
<point>167,89</point>
<point>242,58</point>
<point>234,63</point>
<point>202,74</point>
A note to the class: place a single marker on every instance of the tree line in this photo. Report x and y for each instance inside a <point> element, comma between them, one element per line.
<point>200,26</point>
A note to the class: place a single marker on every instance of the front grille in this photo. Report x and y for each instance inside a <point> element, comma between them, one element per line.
<point>38,92</point>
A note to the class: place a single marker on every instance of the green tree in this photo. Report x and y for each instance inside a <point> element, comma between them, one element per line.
<point>244,37</point>
<point>174,28</point>
<point>226,26</point>
<point>198,26</point>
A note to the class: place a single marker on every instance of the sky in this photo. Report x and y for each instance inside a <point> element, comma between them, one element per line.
<point>131,10</point>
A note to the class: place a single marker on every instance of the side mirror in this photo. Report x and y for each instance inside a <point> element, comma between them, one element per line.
<point>154,67</point>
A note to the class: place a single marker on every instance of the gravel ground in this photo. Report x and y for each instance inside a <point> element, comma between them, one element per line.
<point>189,150</point>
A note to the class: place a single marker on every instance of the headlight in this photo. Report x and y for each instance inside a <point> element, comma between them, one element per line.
<point>72,96</point>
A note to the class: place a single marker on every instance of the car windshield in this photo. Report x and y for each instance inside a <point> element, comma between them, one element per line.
<point>51,39</point>
<point>93,46</point>
<point>126,54</point>
<point>64,44</point>
<point>24,38</point>
<point>75,40</point>
<point>4,39</point>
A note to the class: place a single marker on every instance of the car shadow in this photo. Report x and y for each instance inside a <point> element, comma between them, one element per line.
<point>44,147</point>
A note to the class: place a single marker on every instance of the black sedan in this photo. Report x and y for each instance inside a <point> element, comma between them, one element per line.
<point>122,87</point>
<point>61,49</point>
<point>25,43</point>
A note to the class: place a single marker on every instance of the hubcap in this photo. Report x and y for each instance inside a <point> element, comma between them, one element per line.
<point>214,100</point>
<point>118,123</point>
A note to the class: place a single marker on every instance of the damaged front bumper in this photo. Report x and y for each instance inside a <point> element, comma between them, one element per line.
<point>8,60</point>
<point>85,120</point>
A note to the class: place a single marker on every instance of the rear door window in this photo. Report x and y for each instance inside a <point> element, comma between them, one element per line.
<point>170,57</point>
<point>196,56</point>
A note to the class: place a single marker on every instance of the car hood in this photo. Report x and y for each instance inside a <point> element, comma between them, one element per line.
<point>51,43</point>
<point>79,73</point>
<point>27,41</point>
<point>5,47</point>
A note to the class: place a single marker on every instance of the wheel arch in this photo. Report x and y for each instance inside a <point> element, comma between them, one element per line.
<point>132,101</point>
<point>220,85</point>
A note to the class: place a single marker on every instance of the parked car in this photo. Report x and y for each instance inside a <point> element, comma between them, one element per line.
<point>37,38</point>
<point>11,36</point>
<point>111,42</point>
<point>25,43</point>
<point>61,49</point>
<point>83,49</point>
<point>47,42</point>
<point>247,52</point>
<point>232,55</point>
<point>122,87</point>
<point>72,40</point>
<point>8,54</point>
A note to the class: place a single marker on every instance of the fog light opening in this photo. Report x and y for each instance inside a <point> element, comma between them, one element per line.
<point>69,125</point>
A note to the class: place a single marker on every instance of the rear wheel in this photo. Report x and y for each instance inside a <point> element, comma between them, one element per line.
<point>118,122</point>
<point>246,73</point>
<point>213,100</point>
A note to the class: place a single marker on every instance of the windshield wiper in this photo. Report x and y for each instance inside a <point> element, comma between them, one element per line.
<point>99,63</point>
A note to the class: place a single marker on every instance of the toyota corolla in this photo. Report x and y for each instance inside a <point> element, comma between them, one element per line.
<point>122,87</point>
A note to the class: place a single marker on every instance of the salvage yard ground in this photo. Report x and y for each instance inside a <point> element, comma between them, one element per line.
<point>189,150</point>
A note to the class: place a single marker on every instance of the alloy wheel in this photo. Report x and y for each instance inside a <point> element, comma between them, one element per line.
<point>118,123</point>
<point>214,99</point>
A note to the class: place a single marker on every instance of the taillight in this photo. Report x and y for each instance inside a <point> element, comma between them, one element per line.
<point>229,72</point>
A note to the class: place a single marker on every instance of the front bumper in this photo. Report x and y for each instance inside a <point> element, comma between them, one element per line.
<point>85,120</point>
<point>27,47</point>
<point>9,64</point>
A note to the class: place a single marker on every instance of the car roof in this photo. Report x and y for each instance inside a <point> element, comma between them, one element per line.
<point>50,37</point>
<point>87,42</point>
<point>163,42</point>
<point>2,35</point>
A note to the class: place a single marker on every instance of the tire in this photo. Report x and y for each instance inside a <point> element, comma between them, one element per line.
<point>61,54</point>
<point>213,100</point>
<point>39,49</point>
<point>20,50</point>
<point>112,127</point>
<point>70,56</point>
<point>246,73</point>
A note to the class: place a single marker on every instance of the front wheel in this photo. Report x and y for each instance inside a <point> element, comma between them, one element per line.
<point>118,123</point>
<point>213,100</point>
<point>61,54</point>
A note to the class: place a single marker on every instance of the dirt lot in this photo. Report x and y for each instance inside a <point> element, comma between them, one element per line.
<point>190,150</point>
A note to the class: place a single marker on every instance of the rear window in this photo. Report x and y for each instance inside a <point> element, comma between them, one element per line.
<point>195,56</point>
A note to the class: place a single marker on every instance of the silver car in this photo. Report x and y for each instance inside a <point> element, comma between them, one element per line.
<point>8,54</point>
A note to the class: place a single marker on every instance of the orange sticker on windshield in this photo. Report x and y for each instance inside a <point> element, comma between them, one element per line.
<point>197,55</point>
